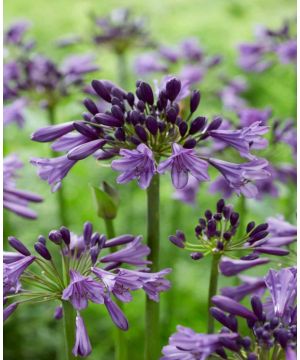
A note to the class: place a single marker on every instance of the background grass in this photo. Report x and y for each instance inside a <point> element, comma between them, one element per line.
<point>220,25</point>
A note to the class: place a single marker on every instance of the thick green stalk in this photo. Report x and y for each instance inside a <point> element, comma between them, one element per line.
<point>121,352</point>
<point>122,70</point>
<point>152,344</point>
<point>213,286</point>
<point>60,194</point>
<point>69,326</point>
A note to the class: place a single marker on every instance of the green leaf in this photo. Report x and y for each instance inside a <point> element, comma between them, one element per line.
<point>106,205</point>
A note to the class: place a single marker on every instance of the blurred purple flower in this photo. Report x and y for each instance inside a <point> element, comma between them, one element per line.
<point>14,112</point>
<point>281,232</point>
<point>82,346</point>
<point>188,194</point>
<point>287,52</point>
<point>249,116</point>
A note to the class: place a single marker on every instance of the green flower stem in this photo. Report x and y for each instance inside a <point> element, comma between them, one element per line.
<point>121,352</point>
<point>242,210</point>
<point>69,328</point>
<point>122,69</point>
<point>213,286</point>
<point>152,345</point>
<point>60,194</point>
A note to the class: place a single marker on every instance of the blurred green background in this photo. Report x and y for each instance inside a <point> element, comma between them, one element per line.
<point>220,25</point>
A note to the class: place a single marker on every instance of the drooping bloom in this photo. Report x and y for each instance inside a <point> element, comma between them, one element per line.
<point>181,163</point>
<point>188,194</point>
<point>230,267</point>
<point>93,276</point>
<point>135,164</point>
<point>14,199</point>
<point>82,345</point>
<point>281,232</point>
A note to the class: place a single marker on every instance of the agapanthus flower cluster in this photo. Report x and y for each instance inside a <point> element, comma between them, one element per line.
<point>217,234</point>
<point>272,329</point>
<point>270,46</point>
<point>14,199</point>
<point>120,30</point>
<point>194,63</point>
<point>144,129</point>
<point>86,274</point>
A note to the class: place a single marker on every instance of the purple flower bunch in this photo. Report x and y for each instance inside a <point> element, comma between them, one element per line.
<point>14,199</point>
<point>216,235</point>
<point>271,325</point>
<point>188,55</point>
<point>120,30</point>
<point>269,47</point>
<point>85,275</point>
<point>143,129</point>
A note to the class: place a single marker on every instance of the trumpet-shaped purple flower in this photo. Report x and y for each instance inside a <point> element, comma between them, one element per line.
<point>9,310</point>
<point>116,314</point>
<point>231,267</point>
<point>15,112</point>
<point>135,164</point>
<point>241,176</point>
<point>186,344</point>
<point>249,116</point>
<point>281,232</point>
<point>82,346</point>
<point>188,194</point>
<point>14,199</point>
<point>233,307</point>
<point>82,289</point>
<point>53,170</point>
<point>181,163</point>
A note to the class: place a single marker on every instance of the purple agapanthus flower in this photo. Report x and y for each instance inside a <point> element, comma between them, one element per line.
<point>82,289</point>
<point>82,346</point>
<point>287,52</point>
<point>135,164</point>
<point>87,275</point>
<point>231,267</point>
<point>249,116</point>
<point>14,112</point>
<point>14,199</point>
<point>281,232</point>
<point>186,344</point>
<point>148,142</point>
<point>188,194</point>
<point>181,163</point>
<point>241,177</point>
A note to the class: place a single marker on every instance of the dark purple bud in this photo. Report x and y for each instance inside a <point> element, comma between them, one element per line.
<point>108,120</point>
<point>198,230</point>
<point>246,342</point>
<point>146,93</point>
<point>18,245</point>
<point>82,151</point>
<point>233,307</point>
<point>259,228</point>
<point>197,125</point>
<point>250,323</point>
<point>202,223</point>
<point>85,130</point>
<point>87,232</point>
<point>266,335</point>
<point>161,126</point>
<point>171,115</point>
<point>227,210</point>
<point>152,125</point>
<point>258,236</point>
<point>134,117</point>
<point>95,238</point>
<point>55,236</point>
<point>141,132</point>
<point>220,205</point>
<point>194,101</point>
<point>101,90</point>
<point>211,228</point>
<point>271,250</point>
<point>177,240</point>
<point>42,250</point>
<point>117,112</point>
<point>257,307</point>
<point>58,313</point>
<point>94,253</point>
<point>130,99</point>
<point>230,344</point>
<point>87,116</point>
<point>120,134</point>
<point>117,102</point>
<point>215,124</point>
<point>220,245</point>
<point>183,128</point>
<point>190,144</point>
<point>221,352</point>
<point>234,218</point>
<point>250,226</point>
<point>42,239</point>
<point>65,234</point>
<point>222,318</point>
<point>119,240</point>
<point>91,106</point>
<point>274,322</point>
<point>208,214</point>
<point>196,255</point>
<point>141,105</point>
<point>227,236</point>
<point>218,217</point>
<point>173,87</point>
<point>135,140</point>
